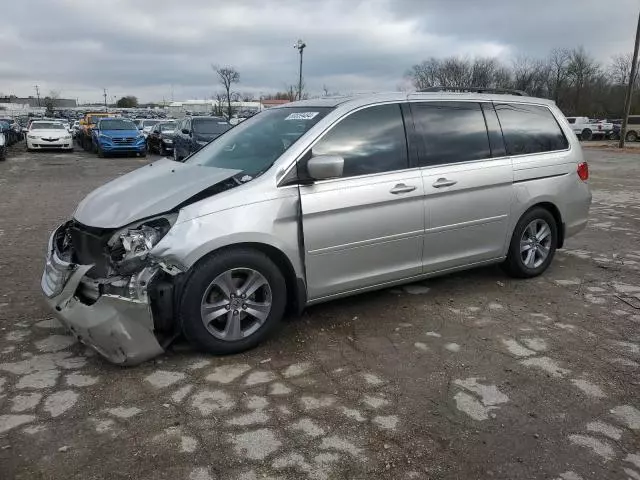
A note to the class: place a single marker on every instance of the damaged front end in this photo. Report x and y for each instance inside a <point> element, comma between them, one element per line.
<point>106,288</point>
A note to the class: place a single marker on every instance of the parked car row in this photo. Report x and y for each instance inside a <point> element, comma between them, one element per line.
<point>105,134</point>
<point>587,128</point>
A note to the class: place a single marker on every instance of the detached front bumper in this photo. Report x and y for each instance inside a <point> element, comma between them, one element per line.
<point>119,328</point>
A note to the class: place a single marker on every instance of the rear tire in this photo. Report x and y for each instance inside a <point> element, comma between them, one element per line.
<point>232,326</point>
<point>586,134</point>
<point>631,136</point>
<point>530,250</point>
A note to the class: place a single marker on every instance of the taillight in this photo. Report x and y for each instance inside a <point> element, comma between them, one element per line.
<point>583,171</point>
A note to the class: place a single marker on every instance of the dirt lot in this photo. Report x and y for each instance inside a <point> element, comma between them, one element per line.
<point>469,376</point>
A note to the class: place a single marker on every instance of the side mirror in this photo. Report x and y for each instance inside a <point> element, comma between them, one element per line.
<point>325,166</point>
<point>185,131</point>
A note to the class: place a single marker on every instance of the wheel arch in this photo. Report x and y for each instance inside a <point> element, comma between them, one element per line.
<point>296,287</point>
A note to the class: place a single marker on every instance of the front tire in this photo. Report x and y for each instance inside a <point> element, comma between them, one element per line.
<point>232,301</point>
<point>631,136</point>
<point>161,150</point>
<point>533,244</point>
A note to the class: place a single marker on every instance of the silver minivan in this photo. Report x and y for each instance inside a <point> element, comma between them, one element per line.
<point>311,201</point>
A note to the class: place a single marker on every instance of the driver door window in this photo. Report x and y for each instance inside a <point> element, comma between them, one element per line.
<point>371,141</point>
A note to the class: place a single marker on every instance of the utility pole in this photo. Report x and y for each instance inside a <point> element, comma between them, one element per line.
<point>300,46</point>
<point>105,98</point>
<point>37,93</point>
<point>629,95</point>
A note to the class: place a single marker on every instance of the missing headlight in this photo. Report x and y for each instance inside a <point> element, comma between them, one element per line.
<point>130,246</point>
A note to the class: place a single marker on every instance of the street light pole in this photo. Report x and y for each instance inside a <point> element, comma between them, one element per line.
<point>300,46</point>
<point>629,95</point>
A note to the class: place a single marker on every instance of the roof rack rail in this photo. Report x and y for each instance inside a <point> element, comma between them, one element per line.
<point>500,91</point>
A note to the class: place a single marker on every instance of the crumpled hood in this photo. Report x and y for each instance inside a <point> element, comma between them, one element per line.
<point>151,190</point>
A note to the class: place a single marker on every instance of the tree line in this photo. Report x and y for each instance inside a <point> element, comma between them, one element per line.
<point>579,84</point>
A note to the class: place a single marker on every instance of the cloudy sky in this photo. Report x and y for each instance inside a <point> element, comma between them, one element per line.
<point>157,49</point>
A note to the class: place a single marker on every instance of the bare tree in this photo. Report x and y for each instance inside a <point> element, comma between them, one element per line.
<point>620,69</point>
<point>581,71</point>
<point>558,65</point>
<point>425,74</point>
<point>50,101</point>
<point>483,72</point>
<point>292,93</point>
<point>455,72</point>
<point>218,109</point>
<point>227,77</point>
<point>577,83</point>
<point>502,77</point>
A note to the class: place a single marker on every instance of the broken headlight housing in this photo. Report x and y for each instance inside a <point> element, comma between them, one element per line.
<point>130,246</point>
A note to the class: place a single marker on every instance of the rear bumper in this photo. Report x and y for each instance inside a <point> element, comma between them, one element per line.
<point>119,328</point>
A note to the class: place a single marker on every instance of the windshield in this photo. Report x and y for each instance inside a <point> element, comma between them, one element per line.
<point>150,123</point>
<point>168,127</point>
<point>256,143</point>
<point>117,125</point>
<point>46,126</point>
<point>208,126</point>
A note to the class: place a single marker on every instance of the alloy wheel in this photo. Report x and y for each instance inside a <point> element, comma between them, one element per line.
<point>535,243</point>
<point>236,304</point>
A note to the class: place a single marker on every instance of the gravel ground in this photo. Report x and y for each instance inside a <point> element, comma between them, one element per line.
<point>469,376</point>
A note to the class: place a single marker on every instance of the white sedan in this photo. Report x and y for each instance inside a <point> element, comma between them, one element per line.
<point>47,134</point>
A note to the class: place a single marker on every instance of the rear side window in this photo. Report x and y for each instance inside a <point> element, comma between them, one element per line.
<point>571,120</point>
<point>370,141</point>
<point>450,132</point>
<point>529,129</point>
<point>634,120</point>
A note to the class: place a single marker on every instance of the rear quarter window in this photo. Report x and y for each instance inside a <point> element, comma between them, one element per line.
<point>529,129</point>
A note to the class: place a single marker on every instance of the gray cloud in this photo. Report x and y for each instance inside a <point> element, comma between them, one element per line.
<point>151,48</point>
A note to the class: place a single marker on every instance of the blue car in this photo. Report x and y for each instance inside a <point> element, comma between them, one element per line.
<point>118,135</point>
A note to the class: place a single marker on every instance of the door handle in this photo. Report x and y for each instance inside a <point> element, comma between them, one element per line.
<point>402,188</point>
<point>443,182</point>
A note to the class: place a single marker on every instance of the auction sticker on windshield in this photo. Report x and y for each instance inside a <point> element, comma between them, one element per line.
<point>302,116</point>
